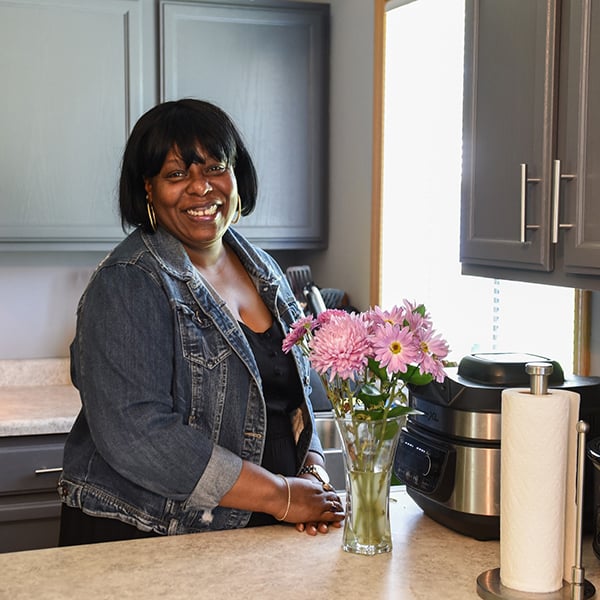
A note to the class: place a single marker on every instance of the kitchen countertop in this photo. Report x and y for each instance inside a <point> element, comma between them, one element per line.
<point>38,409</point>
<point>36,397</point>
<point>428,561</point>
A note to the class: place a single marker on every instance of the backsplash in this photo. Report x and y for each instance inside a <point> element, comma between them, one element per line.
<point>43,371</point>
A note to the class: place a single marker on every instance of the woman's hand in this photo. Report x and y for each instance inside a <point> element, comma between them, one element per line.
<point>301,500</point>
<point>312,507</point>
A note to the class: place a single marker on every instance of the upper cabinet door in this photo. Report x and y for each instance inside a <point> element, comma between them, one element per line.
<point>578,192</point>
<point>71,86</point>
<point>510,50</point>
<point>267,67</point>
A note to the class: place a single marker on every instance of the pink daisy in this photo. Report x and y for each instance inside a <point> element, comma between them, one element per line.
<point>297,332</point>
<point>414,318</point>
<point>432,365</point>
<point>394,347</point>
<point>378,316</point>
<point>432,343</point>
<point>432,349</point>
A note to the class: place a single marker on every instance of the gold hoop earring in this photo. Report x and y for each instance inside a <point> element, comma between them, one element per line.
<point>238,211</point>
<point>151,214</point>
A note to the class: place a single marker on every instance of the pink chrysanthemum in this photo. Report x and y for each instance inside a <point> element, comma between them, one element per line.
<point>394,347</point>
<point>297,332</point>
<point>340,346</point>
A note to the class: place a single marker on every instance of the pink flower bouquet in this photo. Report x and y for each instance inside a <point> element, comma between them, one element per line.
<point>367,360</point>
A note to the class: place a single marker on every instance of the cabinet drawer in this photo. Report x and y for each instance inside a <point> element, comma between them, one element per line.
<point>30,463</point>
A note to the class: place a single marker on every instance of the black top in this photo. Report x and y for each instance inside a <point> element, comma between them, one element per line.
<point>283,394</point>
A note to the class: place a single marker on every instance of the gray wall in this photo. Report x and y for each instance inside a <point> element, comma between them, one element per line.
<point>346,264</point>
<point>38,298</point>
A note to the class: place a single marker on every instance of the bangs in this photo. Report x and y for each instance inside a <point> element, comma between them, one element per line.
<point>187,129</point>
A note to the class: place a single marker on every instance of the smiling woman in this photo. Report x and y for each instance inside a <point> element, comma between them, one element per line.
<point>194,419</point>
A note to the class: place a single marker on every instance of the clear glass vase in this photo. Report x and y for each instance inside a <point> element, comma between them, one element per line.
<point>369,448</point>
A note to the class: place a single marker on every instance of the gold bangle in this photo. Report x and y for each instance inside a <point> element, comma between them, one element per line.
<point>289,499</point>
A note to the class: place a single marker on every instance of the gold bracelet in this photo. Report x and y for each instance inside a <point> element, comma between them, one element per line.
<point>289,500</point>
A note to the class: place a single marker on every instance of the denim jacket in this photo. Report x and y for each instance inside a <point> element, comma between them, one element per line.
<point>171,394</point>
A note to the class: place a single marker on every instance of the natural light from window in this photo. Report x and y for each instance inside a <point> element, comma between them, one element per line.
<point>421,190</point>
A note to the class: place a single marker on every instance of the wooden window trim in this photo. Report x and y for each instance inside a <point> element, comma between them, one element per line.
<point>377,163</point>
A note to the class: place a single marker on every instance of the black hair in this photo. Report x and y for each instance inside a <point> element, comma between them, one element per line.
<point>185,124</point>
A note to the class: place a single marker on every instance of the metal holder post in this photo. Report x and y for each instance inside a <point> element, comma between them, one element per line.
<point>539,372</point>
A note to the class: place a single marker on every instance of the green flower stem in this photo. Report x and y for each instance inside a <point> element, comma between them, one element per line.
<point>369,524</point>
<point>368,448</point>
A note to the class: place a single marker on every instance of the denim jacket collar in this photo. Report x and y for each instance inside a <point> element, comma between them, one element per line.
<point>170,254</point>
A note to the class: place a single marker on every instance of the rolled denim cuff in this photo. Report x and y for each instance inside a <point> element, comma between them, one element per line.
<point>222,471</point>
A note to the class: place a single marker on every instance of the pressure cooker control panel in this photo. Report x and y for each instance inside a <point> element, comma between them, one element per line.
<point>426,465</point>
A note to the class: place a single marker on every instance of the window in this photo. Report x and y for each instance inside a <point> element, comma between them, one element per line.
<point>421,199</point>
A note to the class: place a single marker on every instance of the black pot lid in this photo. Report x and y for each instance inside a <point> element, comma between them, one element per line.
<point>593,450</point>
<point>460,393</point>
<point>505,369</point>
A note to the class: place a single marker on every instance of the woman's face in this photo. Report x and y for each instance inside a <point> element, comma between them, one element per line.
<point>194,204</point>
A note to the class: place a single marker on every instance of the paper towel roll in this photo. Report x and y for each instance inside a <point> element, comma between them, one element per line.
<point>537,515</point>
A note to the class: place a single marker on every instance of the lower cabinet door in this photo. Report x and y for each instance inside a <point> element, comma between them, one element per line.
<point>29,522</point>
<point>30,466</point>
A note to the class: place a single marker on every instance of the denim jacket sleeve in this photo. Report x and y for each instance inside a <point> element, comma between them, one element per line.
<point>124,361</point>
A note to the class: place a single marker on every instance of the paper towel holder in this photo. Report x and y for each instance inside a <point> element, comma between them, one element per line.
<point>489,585</point>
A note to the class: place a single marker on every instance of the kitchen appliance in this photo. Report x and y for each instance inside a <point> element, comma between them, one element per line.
<point>449,454</point>
<point>593,453</point>
<point>304,288</point>
<point>313,299</point>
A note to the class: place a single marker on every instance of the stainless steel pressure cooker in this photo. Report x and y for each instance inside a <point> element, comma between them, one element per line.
<point>449,454</point>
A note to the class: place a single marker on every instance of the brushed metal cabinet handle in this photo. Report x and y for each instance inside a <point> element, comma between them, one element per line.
<point>556,179</point>
<point>50,470</point>
<point>524,181</point>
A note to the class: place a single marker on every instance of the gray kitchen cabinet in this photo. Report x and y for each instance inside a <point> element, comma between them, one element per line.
<point>71,73</point>
<point>29,503</point>
<point>76,75</point>
<point>579,136</point>
<point>266,64</point>
<point>531,152</point>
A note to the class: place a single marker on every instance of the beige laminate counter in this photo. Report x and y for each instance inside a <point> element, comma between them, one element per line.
<point>36,397</point>
<point>38,409</point>
<point>428,562</point>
